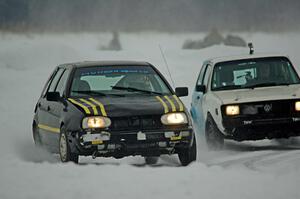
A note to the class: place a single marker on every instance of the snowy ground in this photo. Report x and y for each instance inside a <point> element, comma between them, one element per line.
<point>264,169</point>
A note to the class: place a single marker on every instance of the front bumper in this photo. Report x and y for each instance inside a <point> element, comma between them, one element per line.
<point>247,128</point>
<point>126,143</point>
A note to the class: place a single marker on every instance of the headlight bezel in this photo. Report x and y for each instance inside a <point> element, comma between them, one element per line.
<point>174,118</point>
<point>232,110</point>
<point>101,123</point>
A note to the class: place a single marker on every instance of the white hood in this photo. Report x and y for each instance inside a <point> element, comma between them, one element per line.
<point>259,94</point>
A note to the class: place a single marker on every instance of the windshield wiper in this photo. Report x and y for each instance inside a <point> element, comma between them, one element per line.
<point>132,89</point>
<point>264,85</point>
<point>90,92</point>
<point>228,87</point>
<point>98,93</point>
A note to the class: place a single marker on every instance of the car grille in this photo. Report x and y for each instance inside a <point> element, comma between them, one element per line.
<point>136,123</point>
<point>268,109</point>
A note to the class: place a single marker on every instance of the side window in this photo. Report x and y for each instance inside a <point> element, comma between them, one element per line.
<point>55,80</point>
<point>206,75</point>
<point>48,82</point>
<point>200,78</point>
<point>62,82</point>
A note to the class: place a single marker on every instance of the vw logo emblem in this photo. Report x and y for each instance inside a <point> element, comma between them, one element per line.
<point>268,107</point>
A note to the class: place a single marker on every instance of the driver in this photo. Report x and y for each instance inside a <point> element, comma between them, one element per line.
<point>141,82</point>
<point>264,72</point>
<point>263,75</point>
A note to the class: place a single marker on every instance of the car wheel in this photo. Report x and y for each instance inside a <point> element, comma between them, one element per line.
<point>214,138</point>
<point>151,160</point>
<point>188,155</point>
<point>36,136</point>
<point>64,148</point>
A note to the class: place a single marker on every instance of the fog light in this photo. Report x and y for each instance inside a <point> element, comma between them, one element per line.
<point>111,146</point>
<point>184,133</point>
<point>162,144</point>
<point>169,134</point>
<point>100,147</point>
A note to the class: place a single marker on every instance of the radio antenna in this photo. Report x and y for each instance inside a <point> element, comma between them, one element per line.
<point>167,66</point>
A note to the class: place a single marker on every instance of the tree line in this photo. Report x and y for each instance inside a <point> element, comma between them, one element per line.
<point>149,15</point>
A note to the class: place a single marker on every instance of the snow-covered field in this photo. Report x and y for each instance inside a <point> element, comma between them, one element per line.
<point>264,169</point>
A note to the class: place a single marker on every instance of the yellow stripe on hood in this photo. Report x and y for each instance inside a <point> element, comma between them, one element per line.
<point>178,102</point>
<point>100,105</point>
<point>163,103</point>
<point>172,104</point>
<point>90,104</point>
<point>85,108</point>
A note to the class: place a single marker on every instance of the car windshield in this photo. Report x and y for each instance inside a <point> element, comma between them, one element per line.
<point>117,81</point>
<point>253,73</point>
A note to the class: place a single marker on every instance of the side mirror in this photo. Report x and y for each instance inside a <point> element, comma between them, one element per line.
<point>201,88</point>
<point>53,96</point>
<point>182,91</point>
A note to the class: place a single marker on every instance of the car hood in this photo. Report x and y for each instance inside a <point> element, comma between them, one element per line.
<point>128,106</point>
<point>259,94</point>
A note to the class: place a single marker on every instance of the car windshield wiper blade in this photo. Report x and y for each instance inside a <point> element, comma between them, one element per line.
<point>135,89</point>
<point>228,87</point>
<point>263,85</point>
<point>90,92</point>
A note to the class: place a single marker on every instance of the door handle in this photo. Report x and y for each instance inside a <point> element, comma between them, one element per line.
<point>48,108</point>
<point>39,104</point>
<point>198,97</point>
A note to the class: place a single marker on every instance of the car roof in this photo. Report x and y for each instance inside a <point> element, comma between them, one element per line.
<point>241,57</point>
<point>106,63</point>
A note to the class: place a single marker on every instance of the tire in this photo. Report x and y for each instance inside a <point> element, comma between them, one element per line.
<point>151,160</point>
<point>36,136</point>
<point>188,155</point>
<point>214,138</point>
<point>64,148</point>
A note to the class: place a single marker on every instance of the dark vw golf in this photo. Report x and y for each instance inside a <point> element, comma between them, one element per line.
<point>113,109</point>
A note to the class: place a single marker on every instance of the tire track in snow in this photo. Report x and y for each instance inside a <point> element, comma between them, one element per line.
<point>257,160</point>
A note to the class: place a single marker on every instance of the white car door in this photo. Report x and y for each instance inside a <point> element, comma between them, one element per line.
<point>199,96</point>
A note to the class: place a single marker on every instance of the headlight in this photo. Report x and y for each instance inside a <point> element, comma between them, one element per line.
<point>297,106</point>
<point>232,110</point>
<point>174,118</point>
<point>95,122</point>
